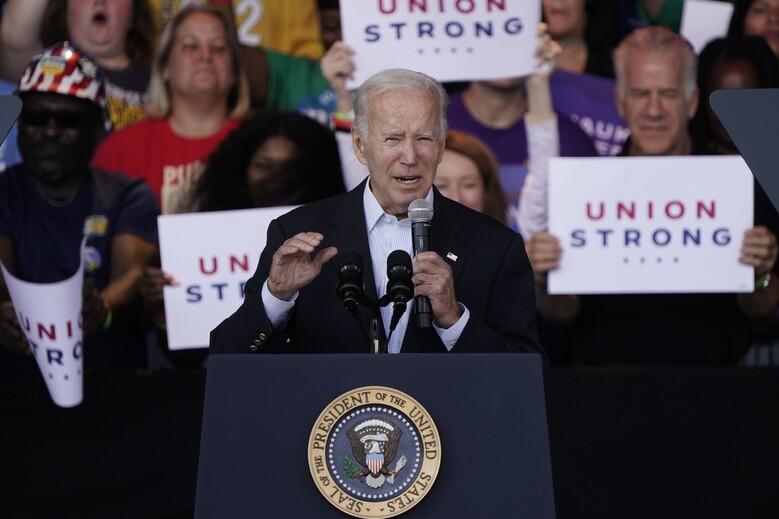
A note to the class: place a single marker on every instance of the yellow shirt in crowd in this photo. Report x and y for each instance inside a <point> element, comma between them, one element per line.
<point>288,26</point>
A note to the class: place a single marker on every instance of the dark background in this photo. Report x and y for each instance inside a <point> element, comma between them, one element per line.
<point>626,443</point>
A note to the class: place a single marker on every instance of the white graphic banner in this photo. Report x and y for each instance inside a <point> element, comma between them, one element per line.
<point>211,256</point>
<point>49,315</point>
<point>450,40</point>
<point>650,224</point>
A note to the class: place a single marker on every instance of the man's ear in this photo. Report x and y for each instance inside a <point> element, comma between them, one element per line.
<point>618,102</point>
<point>693,103</point>
<point>359,146</point>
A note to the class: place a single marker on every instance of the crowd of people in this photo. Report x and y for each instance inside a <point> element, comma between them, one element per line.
<point>187,108</point>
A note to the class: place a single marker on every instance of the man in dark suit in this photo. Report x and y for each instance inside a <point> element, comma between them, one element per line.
<point>476,274</point>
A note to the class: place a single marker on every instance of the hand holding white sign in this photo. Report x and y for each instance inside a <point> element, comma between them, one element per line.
<point>338,68</point>
<point>11,335</point>
<point>49,315</point>
<point>210,272</point>
<point>650,224</point>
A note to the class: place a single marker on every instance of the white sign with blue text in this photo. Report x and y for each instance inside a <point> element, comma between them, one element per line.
<point>211,256</point>
<point>650,224</point>
<point>450,40</point>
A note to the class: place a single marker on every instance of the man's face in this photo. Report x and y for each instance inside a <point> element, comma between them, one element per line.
<point>654,104</point>
<point>402,148</point>
<point>57,136</point>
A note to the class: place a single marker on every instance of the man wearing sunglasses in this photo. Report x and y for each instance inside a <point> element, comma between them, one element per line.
<point>53,200</point>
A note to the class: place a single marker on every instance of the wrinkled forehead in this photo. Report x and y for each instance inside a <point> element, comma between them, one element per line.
<point>405,110</point>
<point>654,68</point>
<point>200,26</point>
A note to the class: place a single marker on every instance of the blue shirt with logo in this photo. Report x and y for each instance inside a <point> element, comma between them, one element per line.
<point>46,236</point>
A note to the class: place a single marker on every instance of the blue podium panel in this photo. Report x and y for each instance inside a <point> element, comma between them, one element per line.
<point>489,410</point>
<point>10,107</point>
<point>751,118</point>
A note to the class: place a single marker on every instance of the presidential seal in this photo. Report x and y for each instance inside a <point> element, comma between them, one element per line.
<point>374,452</point>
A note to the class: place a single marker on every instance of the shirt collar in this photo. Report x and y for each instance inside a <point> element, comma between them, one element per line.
<point>373,211</point>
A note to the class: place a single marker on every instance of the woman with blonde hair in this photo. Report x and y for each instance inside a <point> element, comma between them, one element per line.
<point>198,93</point>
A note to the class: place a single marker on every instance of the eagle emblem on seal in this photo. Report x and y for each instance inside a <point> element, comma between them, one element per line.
<point>374,445</point>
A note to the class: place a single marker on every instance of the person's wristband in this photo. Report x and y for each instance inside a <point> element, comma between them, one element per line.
<point>109,316</point>
<point>160,321</point>
<point>343,121</point>
<point>763,281</point>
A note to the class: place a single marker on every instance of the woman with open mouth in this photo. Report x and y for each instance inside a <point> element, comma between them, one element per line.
<point>118,34</point>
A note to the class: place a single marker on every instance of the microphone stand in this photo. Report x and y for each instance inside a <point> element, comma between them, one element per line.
<point>375,335</point>
<point>374,332</point>
<point>373,327</point>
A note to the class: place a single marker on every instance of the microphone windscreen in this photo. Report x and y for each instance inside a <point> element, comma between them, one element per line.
<point>349,257</point>
<point>420,210</point>
<point>398,258</point>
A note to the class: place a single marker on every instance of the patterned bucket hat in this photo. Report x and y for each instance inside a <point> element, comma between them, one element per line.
<point>64,69</point>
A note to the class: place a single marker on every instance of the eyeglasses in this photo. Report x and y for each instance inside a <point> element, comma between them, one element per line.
<point>65,119</point>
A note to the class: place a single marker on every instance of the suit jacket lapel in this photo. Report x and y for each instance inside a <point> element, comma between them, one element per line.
<point>444,236</point>
<point>350,233</point>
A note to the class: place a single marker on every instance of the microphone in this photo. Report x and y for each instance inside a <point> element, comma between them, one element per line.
<point>350,288</point>
<point>400,288</point>
<point>421,213</point>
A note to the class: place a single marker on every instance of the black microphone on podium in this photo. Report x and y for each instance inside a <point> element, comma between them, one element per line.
<point>421,213</point>
<point>350,288</point>
<point>400,288</point>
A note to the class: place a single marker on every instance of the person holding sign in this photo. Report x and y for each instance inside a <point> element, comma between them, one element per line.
<point>475,274</point>
<point>657,96</point>
<point>53,200</point>
<point>494,112</point>
<point>273,159</point>
<point>585,31</point>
